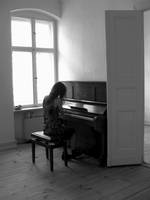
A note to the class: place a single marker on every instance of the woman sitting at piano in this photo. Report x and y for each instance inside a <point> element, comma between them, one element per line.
<point>54,125</point>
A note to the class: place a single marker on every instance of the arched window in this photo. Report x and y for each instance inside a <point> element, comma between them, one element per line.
<point>34,56</point>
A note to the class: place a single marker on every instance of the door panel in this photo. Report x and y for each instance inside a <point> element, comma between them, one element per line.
<point>125,81</point>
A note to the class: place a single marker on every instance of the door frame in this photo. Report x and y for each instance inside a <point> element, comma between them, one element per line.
<point>143,6</point>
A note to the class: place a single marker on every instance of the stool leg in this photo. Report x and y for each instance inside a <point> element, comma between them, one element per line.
<point>65,153</point>
<point>51,158</point>
<point>33,151</point>
<point>46,150</point>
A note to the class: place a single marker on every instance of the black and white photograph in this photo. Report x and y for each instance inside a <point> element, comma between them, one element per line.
<point>75,100</point>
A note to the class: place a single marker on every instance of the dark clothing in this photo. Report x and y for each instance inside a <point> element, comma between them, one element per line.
<point>54,125</point>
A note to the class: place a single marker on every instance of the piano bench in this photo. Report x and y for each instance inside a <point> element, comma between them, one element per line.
<point>39,138</point>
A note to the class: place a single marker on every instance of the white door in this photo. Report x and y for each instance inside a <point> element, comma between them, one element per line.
<point>125,92</point>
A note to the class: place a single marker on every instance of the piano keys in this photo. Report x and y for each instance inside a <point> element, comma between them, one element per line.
<point>89,112</point>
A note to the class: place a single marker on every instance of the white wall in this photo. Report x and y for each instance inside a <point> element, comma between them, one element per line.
<point>6,98</point>
<point>82,42</point>
<point>141,4</point>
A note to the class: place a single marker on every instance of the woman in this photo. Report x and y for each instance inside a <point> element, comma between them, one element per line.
<point>54,125</point>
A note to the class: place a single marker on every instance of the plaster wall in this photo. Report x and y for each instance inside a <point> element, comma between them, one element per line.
<point>82,42</point>
<point>6,99</point>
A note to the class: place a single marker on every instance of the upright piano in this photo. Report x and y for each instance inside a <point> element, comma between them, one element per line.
<point>85,103</point>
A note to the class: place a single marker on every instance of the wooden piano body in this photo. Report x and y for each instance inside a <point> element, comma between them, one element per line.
<point>85,104</point>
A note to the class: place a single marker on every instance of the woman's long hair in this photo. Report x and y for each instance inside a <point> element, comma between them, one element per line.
<point>58,90</point>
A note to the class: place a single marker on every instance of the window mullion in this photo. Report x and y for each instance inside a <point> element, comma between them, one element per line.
<point>34,63</point>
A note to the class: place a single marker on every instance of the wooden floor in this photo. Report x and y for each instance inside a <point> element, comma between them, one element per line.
<point>82,180</point>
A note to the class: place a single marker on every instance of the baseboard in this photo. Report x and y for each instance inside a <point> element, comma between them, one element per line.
<point>21,141</point>
<point>8,145</point>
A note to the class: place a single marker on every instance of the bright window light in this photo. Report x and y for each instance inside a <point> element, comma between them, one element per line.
<point>22,78</point>
<point>45,74</point>
<point>21,32</point>
<point>44,34</point>
<point>33,60</point>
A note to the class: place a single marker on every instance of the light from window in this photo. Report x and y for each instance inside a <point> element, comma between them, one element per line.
<point>22,78</point>
<point>45,71</point>
<point>33,60</point>
<point>44,34</point>
<point>21,32</point>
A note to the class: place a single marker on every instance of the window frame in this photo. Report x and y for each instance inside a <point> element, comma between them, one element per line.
<point>33,16</point>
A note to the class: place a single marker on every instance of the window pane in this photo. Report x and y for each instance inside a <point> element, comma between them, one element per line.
<point>21,32</point>
<point>45,74</point>
<point>44,34</point>
<point>22,78</point>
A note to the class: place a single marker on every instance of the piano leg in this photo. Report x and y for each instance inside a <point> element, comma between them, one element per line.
<point>101,147</point>
<point>103,157</point>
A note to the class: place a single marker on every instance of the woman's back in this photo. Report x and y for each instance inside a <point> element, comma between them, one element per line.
<point>52,108</point>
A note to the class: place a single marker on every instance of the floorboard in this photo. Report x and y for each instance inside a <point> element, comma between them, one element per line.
<point>82,179</point>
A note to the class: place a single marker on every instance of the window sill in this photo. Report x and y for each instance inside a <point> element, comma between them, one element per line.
<point>28,109</point>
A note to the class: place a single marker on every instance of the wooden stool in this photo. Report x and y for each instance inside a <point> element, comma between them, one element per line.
<point>45,141</point>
